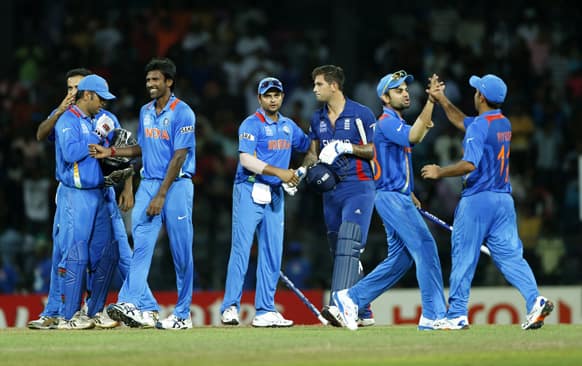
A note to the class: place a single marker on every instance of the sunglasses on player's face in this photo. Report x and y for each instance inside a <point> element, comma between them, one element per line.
<point>394,77</point>
<point>271,84</point>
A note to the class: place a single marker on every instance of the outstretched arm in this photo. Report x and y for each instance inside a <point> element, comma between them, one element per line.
<point>434,171</point>
<point>436,91</point>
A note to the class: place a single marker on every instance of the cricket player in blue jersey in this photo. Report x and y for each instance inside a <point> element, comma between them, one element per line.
<point>266,141</point>
<point>52,316</point>
<point>341,133</point>
<point>80,197</point>
<point>409,239</point>
<point>486,211</point>
<point>167,145</point>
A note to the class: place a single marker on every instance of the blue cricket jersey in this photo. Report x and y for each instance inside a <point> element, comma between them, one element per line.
<point>347,167</point>
<point>486,146</point>
<point>159,135</point>
<point>269,141</point>
<point>393,154</point>
<point>51,136</point>
<point>75,167</point>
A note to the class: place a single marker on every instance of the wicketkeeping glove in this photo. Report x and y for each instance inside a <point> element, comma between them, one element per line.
<point>118,176</point>
<point>104,125</point>
<point>334,149</point>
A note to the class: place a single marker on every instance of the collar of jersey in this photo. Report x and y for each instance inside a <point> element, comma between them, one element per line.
<point>153,103</point>
<point>267,119</point>
<point>392,113</point>
<point>79,111</point>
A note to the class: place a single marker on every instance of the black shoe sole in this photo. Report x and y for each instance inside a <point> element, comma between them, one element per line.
<point>118,315</point>
<point>330,317</point>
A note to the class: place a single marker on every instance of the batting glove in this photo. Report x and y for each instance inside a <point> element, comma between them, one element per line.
<point>334,149</point>
<point>291,190</point>
<point>104,125</point>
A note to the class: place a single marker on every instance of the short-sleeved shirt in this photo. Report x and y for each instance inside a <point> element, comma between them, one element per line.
<point>160,135</point>
<point>271,142</point>
<point>486,145</point>
<point>347,167</point>
<point>393,154</point>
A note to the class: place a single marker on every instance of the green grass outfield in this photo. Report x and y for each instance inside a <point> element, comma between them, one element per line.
<point>552,345</point>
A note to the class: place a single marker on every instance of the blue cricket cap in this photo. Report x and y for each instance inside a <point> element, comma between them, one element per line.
<point>268,83</point>
<point>97,84</point>
<point>392,81</point>
<point>491,86</point>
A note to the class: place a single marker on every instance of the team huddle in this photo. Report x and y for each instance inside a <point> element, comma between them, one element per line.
<point>356,161</point>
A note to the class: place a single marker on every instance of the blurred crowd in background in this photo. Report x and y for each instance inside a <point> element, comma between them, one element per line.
<point>221,51</point>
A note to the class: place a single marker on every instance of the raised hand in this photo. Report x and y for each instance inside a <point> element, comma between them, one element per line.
<point>435,89</point>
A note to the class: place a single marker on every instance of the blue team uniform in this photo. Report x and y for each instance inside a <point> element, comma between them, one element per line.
<point>409,239</point>
<point>81,197</point>
<point>159,135</point>
<point>352,200</point>
<point>119,245</point>
<point>271,142</point>
<point>486,213</point>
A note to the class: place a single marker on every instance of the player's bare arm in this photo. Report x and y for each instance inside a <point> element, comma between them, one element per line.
<point>45,127</point>
<point>434,171</point>
<point>126,200</point>
<point>101,152</point>
<point>363,151</point>
<point>311,156</point>
<point>157,203</point>
<point>422,124</point>
<point>436,91</point>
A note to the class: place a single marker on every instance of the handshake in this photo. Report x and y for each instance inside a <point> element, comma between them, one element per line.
<point>291,189</point>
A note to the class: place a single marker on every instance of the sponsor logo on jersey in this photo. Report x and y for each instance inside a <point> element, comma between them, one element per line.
<point>84,129</point>
<point>187,129</point>
<point>166,122</point>
<point>279,144</point>
<point>322,126</point>
<point>268,131</point>
<point>156,133</point>
<point>147,120</point>
<point>246,136</point>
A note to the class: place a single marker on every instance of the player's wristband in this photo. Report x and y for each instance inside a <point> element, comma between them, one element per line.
<point>112,151</point>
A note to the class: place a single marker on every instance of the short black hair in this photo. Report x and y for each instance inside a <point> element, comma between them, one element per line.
<point>164,65</point>
<point>81,71</point>
<point>331,73</point>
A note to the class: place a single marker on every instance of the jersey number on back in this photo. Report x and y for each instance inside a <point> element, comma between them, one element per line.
<point>504,166</point>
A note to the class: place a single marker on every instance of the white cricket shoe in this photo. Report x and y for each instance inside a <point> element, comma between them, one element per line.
<point>331,314</point>
<point>230,316</point>
<point>149,318</point>
<point>366,322</point>
<point>535,319</point>
<point>103,321</point>
<point>44,322</point>
<point>79,321</point>
<point>127,313</point>
<point>458,323</point>
<point>174,323</point>
<point>426,323</point>
<point>272,319</point>
<point>348,310</point>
